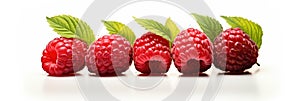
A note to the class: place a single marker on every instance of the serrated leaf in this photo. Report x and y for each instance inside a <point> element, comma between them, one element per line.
<point>251,28</point>
<point>121,29</point>
<point>154,27</point>
<point>210,26</point>
<point>174,30</point>
<point>71,27</point>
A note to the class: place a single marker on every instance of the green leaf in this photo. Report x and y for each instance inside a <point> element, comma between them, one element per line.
<point>210,26</point>
<point>172,28</point>
<point>251,28</point>
<point>118,28</point>
<point>71,27</point>
<point>154,27</point>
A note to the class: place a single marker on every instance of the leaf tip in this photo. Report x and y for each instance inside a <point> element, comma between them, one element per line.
<point>134,17</point>
<point>169,18</point>
<point>224,17</point>
<point>193,14</point>
<point>103,21</point>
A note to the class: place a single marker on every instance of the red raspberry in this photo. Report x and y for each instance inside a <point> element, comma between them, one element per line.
<point>151,54</point>
<point>109,55</point>
<point>192,51</point>
<point>234,51</point>
<point>64,56</point>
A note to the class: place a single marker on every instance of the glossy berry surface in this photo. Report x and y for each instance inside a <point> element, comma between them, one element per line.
<point>192,51</point>
<point>109,55</point>
<point>152,54</point>
<point>64,56</point>
<point>234,51</point>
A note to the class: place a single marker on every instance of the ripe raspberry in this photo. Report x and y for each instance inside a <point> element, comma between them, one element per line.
<point>152,54</point>
<point>63,56</point>
<point>109,55</point>
<point>192,52</point>
<point>234,51</point>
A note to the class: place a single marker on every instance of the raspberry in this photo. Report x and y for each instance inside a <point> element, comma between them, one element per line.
<point>151,54</point>
<point>63,56</point>
<point>109,55</point>
<point>234,51</point>
<point>192,52</point>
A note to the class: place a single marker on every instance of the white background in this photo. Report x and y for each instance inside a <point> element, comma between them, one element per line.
<point>25,32</point>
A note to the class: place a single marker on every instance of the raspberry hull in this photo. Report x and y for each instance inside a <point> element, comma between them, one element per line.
<point>63,56</point>
<point>192,52</point>
<point>109,55</point>
<point>234,51</point>
<point>152,54</point>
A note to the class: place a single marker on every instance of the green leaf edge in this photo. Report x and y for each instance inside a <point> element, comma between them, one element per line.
<point>68,26</point>
<point>211,32</point>
<point>164,33</point>
<point>173,28</point>
<point>122,30</point>
<point>252,35</point>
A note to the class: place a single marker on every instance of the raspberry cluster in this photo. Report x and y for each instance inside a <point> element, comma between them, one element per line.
<point>192,51</point>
